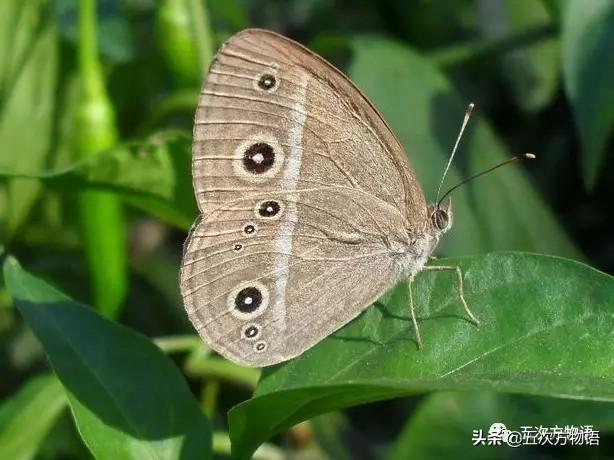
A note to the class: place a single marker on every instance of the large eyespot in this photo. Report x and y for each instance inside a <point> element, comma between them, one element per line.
<point>269,209</point>
<point>258,159</point>
<point>248,300</point>
<point>251,331</point>
<point>440,219</point>
<point>260,347</point>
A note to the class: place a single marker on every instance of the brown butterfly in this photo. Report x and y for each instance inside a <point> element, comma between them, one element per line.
<point>309,209</point>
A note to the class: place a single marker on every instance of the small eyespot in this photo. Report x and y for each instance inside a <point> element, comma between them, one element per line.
<point>260,347</point>
<point>250,229</point>
<point>269,209</point>
<point>267,82</point>
<point>238,247</point>
<point>248,300</point>
<point>259,158</point>
<point>251,331</point>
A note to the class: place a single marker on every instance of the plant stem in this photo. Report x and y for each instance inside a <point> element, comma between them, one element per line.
<point>89,66</point>
<point>209,396</point>
<point>202,32</point>
<point>218,368</point>
<point>178,343</point>
<point>101,213</point>
<point>185,39</point>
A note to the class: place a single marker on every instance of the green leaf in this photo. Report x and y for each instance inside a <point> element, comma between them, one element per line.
<point>546,330</point>
<point>500,211</point>
<point>588,71</point>
<point>127,397</point>
<point>27,417</point>
<point>532,72</point>
<point>151,175</point>
<point>28,79</point>
<point>443,423</point>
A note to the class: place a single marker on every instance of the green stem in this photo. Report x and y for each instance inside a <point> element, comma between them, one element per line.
<point>178,343</point>
<point>185,39</point>
<point>202,32</point>
<point>101,213</point>
<point>209,396</point>
<point>89,65</point>
<point>217,368</point>
<point>458,54</point>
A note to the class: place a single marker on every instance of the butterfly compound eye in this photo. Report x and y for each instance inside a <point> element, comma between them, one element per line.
<point>440,219</point>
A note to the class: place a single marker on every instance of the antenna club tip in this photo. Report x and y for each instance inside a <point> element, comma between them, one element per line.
<point>529,156</point>
<point>471,105</point>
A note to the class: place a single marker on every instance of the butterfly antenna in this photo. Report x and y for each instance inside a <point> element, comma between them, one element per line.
<point>522,157</point>
<point>460,135</point>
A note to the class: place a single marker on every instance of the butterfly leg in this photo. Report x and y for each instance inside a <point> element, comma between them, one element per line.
<point>461,293</point>
<point>410,280</point>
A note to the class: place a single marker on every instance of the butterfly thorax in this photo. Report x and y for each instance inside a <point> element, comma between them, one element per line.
<point>413,256</point>
<point>412,253</point>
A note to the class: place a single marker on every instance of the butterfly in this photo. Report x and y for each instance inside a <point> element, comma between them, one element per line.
<point>309,208</point>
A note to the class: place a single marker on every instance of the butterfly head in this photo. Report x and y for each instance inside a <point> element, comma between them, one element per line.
<point>441,217</point>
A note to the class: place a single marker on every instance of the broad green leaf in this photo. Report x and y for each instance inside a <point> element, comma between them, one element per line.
<point>588,71</point>
<point>546,330</point>
<point>128,399</point>
<point>28,79</point>
<point>153,175</point>
<point>531,73</point>
<point>26,418</point>
<point>443,423</point>
<point>500,211</point>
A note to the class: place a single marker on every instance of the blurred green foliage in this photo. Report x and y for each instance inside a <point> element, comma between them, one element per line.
<point>96,109</point>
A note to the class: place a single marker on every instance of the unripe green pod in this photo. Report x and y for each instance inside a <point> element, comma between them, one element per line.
<point>184,38</point>
<point>104,234</point>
